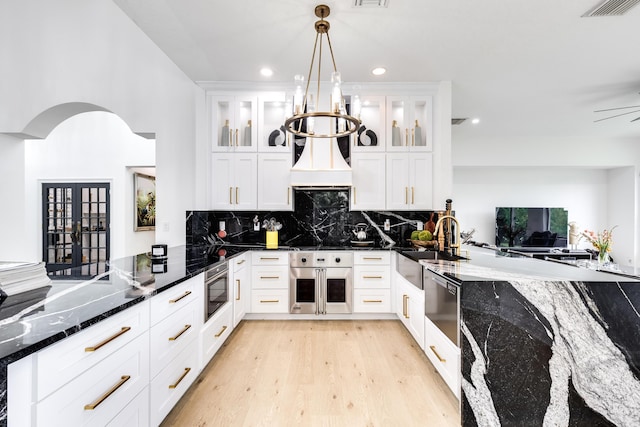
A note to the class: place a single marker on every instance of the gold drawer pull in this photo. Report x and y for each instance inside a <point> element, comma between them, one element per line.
<point>240,262</point>
<point>230,195</point>
<point>269,277</point>
<point>186,294</point>
<point>376,258</point>
<point>413,195</point>
<point>237,198</point>
<point>405,310</point>
<point>124,330</point>
<point>269,300</point>
<point>433,348</point>
<point>269,258</point>
<point>238,293</point>
<point>372,277</point>
<point>184,374</point>
<point>186,328</point>
<point>224,328</point>
<point>373,300</point>
<point>94,405</point>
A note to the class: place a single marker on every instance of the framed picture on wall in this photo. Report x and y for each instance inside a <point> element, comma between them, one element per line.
<point>144,191</point>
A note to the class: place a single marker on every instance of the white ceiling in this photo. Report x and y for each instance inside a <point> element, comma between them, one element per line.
<point>528,69</point>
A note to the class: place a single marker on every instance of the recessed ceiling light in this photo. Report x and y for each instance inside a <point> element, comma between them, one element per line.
<point>267,72</point>
<point>378,71</point>
<point>475,121</point>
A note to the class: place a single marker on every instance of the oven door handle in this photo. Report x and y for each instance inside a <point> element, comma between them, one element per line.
<point>317,289</point>
<point>324,291</point>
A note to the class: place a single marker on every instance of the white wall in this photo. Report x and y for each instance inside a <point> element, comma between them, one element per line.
<point>91,147</point>
<point>68,51</point>
<point>586,193</point>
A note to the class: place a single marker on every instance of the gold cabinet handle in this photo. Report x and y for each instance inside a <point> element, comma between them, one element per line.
<point>184,374</point>
<point>268,258</point>
<point>406,195</point>
<point>405,306</point>
<point>94,405</point>
<point>185,329</point>
<point>269,277</point>
<point>238,293</point>
<point>433,348</point>
<point>186,294</point>
<point>230,195</point>
<point>269,300</point>
<point>355,200</point>
<point>224,328</point>
<point>372,277</point>
<point>237,197</point>
<point>240,262</point>
<point>372,300</point>
<point>122,331</point>
<point>413,195</point>
<point>288,195</point>
<point>376,258</point>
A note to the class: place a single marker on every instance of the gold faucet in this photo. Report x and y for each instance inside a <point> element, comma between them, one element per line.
<point>442,245</point>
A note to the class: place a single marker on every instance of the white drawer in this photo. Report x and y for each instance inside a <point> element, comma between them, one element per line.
<point>274,277</point>
<point>372,301</point>
<point>444,355</point>
<point>171,300</point>
<point>372,257</point>
<point>239,262</point>
<point>172,382</point>
<point>269,258</point>
<point>172,335</point>
<point>371,277</point>
<point>107,388</point>
<point>60,363</point>
<point>135,414</point>
<point>270,301</point>
<point>215,332</point>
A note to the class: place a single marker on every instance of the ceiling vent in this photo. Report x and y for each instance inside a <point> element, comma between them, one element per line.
<point>457,121</point>
<point>370,3</point>
<point>612,8</point>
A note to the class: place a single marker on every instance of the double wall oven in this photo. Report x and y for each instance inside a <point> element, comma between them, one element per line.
<point>321,282</point>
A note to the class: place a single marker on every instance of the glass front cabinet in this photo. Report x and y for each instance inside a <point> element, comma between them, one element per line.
<point>272,113</point>
<point>233,123</point>
<point>409,123</point>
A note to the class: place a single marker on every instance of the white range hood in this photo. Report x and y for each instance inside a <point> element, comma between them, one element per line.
<point>321,165</point>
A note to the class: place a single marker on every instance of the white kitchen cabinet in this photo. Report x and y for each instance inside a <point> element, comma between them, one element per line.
<point>234,180</point>
<point>409,123</point>
<point>239,270</point>
<point>371,135</point>
<point>443,354</point>
<point>409,181</point>
<point>269,282</point>
<point>410,308</point>
<point>369,179</point>
<point>233,120</point>
<point>272,112</point>
<point>214,333</point>
<point>274,182</point>
<point>372,282</point>
<point>135,414</point>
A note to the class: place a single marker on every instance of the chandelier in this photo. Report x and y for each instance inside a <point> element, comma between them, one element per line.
<point>340,123</point>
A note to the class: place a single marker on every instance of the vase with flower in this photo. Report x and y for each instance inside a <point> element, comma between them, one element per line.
<point>602,241</point>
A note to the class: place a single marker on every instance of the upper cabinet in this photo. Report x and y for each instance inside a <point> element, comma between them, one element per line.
<point>409,181</point>
<point>233,122</point>
<point>272,137</point>
<point>409,123</point>
<point>234,180</point>
<point>371,134</point>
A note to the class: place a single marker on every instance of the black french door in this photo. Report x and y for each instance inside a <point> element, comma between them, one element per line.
<point>75,228</point>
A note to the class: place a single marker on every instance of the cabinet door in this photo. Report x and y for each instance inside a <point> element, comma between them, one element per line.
<point>397,181</point>
<point>368,190</point>
<point>272,109</point>
<point>222,183</point>
<point>245,175</point>
<point>420,181</point>
<point>274,182</point>
<point>242,294</point>
<point>409,123</point>
<point>233,121</point>
<point>371,134</point>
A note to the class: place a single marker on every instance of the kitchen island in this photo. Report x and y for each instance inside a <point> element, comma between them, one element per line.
<point>545,344</point>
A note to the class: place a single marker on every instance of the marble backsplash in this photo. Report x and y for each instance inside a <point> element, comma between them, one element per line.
<point>320,218</point>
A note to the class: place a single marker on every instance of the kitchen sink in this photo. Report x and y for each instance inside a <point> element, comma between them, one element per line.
<point>435,255</point>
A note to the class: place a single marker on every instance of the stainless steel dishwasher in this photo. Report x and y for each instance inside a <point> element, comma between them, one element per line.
<point>442,304</point>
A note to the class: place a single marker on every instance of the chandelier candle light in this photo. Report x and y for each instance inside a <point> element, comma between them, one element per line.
<point>304,106</point>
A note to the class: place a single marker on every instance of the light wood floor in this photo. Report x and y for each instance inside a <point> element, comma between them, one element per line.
<point>318,373</point>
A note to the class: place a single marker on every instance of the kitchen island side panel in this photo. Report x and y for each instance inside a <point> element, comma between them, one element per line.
<point>538,352</point>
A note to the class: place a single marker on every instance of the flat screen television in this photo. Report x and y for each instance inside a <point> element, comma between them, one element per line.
<point>531,227</point>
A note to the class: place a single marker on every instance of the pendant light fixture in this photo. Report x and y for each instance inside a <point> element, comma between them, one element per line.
<point>302,122</point>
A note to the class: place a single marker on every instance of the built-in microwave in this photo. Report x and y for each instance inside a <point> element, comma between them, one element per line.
<point>216,289</point>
